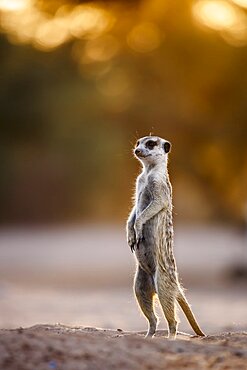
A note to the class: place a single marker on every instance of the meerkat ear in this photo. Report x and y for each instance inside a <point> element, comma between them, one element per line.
<point>167,146</point>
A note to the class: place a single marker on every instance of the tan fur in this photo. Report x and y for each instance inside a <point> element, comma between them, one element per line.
<point>150,236</point>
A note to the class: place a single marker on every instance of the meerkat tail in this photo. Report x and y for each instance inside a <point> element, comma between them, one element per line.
<point>189,314</point>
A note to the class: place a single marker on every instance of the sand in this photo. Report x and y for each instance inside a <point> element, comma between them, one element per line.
<point>83,277</point>
<point>72,348</point>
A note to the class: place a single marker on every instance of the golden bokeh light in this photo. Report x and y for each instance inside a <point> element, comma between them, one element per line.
<point>217,15</point>
<point>94,71</point>
<point>24,22</point>
<point>242,3</point>
<point>14,5</point>
<point>228,19</point>
<point>116,89</point>
<point>144,38</point>
<point>101,49</point>
<point>237,35</point>
<point>20,25</point>
<point>50,35</point>
<point>89,21</point>
<point>47,27</point>
<point>115,84</point>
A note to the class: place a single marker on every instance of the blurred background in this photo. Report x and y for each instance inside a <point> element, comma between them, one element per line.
<point>80,82</point>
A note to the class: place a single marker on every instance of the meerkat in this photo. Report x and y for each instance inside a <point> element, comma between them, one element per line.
<point>150,236</point>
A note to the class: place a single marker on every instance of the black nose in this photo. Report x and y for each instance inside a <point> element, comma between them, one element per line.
<point>137,151</point>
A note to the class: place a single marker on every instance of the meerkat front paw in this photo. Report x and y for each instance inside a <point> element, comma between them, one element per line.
<point>138,231</point>
<point>131,238</point>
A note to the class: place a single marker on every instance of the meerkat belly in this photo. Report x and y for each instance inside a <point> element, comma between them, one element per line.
<point>146,254</point>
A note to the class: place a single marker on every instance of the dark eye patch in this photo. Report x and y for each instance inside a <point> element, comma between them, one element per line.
<point>150,144</point>
<point>137,143</point>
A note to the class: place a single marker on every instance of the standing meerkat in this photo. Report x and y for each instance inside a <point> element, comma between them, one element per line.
<point>150,237</point>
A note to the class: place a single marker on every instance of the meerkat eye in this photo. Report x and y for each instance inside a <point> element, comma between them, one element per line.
<point>137,143</point>
<point>150,144</point>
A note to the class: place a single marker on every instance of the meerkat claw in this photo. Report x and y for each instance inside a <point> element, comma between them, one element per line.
<point>132,247</point>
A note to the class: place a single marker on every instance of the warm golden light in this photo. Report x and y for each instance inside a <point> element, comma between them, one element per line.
<point>144,38</point>
<point>237,35</point>
<point>117,83</point>
<point>87,20</point>
<point>50,35</point>
<point>46,28</point>
<point>116,89</point>
<point>242,3</point>
<point>23,25</point>
<point>153,10</point>
<point>221,16</point>
<point>14,5</point>
<point>101,49</point>
<point>24,22</point>
<point>215,14</point>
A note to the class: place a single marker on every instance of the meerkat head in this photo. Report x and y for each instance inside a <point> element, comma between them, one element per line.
<point>152,149</point>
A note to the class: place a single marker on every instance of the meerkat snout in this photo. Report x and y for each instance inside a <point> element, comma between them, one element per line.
<point>137,152</point>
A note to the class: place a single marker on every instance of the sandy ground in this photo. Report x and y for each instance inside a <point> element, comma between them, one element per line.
<point>78,279</point>
<point>62,347</point>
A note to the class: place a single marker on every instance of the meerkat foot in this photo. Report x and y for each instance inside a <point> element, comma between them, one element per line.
<point>149,335</point>
<point>172,336</point>
<point>172,332</point>
<point>151,331</point>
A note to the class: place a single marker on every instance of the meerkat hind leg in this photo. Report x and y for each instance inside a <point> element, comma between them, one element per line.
<point>169,308</point>
<point>145,292</point>
<point>167,301</point>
